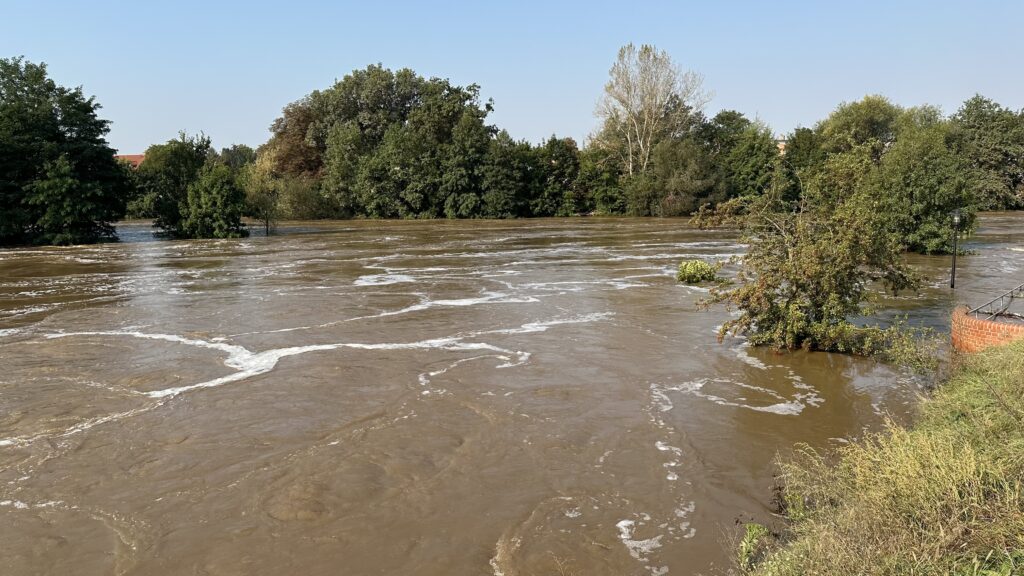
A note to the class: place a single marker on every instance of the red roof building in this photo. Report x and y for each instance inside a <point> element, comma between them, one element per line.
<point>133,159</point>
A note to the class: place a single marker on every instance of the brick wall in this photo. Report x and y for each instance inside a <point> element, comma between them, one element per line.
<point>971,334</point>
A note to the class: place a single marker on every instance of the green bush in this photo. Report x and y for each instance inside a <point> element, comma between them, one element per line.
<point>697,271</point>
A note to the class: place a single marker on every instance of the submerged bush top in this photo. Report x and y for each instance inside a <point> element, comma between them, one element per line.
<point>697,271</point>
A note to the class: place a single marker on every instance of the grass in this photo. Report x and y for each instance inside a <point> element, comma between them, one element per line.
<point>945,497</point>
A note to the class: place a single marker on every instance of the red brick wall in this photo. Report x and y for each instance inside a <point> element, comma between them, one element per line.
<point>971,334</point>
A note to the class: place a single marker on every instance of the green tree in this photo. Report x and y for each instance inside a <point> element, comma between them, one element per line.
<point>558,167</point>
<point>215,205</point>
<point>808,270</point>
<point>59,182</point>
<point>804,149</point>
<point>262,192</point>
<point>871,120</point>
<point>684,178</point>
<point>166,174</point>
<point>750,162</point>
<point>598,183</point>
<point>509,174</point>
<point>918,184</point>
<point>236,157</point>
<point>719,134</point>
<point>991,140</point>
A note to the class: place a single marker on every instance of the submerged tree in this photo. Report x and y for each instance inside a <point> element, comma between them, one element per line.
<point>215,205</point>
<point>262,192</point>
<point>59,182</point>
<point>810,264</point>
<point>166,174</point>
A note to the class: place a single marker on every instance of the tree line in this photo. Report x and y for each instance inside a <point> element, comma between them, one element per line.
<point>392,144</point>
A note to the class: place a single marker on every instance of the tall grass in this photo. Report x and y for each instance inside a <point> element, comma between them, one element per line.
<point>945,497</point>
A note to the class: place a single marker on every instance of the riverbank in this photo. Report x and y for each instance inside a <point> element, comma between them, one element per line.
<point>944,497</point>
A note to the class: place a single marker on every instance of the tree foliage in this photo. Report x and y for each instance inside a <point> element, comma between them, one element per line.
<point>214,205</point>
<point>808,271</point>
<point>647,99</point>
<point>990,138</point>
<point>59,182</point>
<point>834,218</point>
<point>164,177</point>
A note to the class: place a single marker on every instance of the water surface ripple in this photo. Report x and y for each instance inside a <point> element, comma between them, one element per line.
<point>427,398</point>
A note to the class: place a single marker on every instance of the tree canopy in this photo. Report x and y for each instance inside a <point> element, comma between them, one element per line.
<point>59,181</point>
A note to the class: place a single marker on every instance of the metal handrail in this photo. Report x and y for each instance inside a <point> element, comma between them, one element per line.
<point>1000,304</point>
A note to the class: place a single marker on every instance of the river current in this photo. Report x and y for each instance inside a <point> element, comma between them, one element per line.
<point>516,398</point>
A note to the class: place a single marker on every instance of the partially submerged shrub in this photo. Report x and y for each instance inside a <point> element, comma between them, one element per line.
<point>697,271</point>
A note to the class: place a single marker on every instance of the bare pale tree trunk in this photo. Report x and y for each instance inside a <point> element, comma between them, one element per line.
<point>647,97</point>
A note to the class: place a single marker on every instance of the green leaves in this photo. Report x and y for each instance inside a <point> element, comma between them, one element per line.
<point>166,174</point>
<point>990,139</point>
<point>214,205</point>
<point>59,182</point>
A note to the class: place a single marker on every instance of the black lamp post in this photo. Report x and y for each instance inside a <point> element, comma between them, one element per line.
<point>957,219</point>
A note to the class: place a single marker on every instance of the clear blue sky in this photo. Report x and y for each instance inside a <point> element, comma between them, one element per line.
<point>227,68</point>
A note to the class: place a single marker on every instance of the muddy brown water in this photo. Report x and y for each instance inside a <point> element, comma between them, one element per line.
<point>437,398</point>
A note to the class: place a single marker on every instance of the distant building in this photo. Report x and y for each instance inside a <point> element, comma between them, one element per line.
<point>133,159</point>
<point>780,143</point>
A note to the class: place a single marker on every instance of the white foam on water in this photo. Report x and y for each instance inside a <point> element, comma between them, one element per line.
<point>247,363</point>
<point>746,358</point>
<point>383,279</point>
<point>638,549</point>
<point>26,310</point>
<point>784,407</point>
<point>664,447</point>
<point>542,326</point>
<point>426,377</point>
<point>8,331</point>
<point>487,298</point>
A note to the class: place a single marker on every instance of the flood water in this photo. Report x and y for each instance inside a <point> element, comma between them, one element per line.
<point>520,398</point>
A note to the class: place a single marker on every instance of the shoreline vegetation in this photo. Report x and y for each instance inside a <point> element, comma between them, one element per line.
<point>944,497</point>
<point>382,143</point>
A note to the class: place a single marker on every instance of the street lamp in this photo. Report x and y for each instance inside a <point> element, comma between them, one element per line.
<point>957,219</point>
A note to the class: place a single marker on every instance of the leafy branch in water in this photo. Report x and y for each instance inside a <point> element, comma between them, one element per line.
<point>811,262</point>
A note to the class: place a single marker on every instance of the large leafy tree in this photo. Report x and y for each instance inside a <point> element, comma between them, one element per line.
<point>509,174</point>
<point>918,184</point>
<point>165,176</point>
<point>990,138</point>
<point>598,183</point>
<point>389,144</point>
<point>59,182</point>
<point>873,120</point>
<point>558,167</point>
<point>236,157</point>
<point>262,191</point>
<point>750,162</point>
